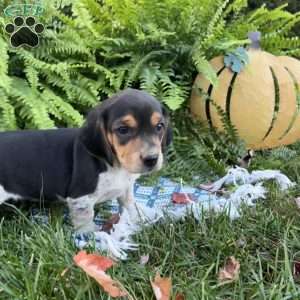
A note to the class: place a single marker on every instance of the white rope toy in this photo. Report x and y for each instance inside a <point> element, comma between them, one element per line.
<point>237,174</point>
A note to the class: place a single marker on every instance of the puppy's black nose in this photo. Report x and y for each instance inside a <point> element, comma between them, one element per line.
<point>150,161</point>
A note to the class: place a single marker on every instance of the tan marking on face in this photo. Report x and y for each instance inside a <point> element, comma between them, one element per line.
<point>129,154</point>
<point>129,120</point>
<point>155,118</point>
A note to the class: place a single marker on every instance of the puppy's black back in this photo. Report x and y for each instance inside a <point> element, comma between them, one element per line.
<point>35,163</point>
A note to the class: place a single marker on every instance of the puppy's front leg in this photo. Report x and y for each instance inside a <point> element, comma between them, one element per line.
<point>127,201</point>
<point>82,213</point>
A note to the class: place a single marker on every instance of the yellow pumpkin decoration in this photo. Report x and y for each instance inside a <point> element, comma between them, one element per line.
<point>262,102</point>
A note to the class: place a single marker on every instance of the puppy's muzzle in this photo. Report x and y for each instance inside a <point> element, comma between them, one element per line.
<point>150,161</point>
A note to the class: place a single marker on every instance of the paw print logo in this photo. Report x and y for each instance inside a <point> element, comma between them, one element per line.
<point>24,32</point>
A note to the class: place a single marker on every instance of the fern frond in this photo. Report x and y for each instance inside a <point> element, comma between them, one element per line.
<point>173,95</point>
<point>4,78</point>
<point>283,153</point>
<point>32,76</point>
<point>62,110</point>
<point>33,110</point>
<point>139,63</point>
<point>149,78</point>
<point>7,113</point>
<point>236,7</point>
<point>204,67</point>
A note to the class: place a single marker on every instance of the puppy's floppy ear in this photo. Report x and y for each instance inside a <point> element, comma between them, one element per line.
<point>93,134</point>
<point>168,136</point>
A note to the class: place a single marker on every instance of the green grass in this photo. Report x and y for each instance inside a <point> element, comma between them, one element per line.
<point>265,240</point>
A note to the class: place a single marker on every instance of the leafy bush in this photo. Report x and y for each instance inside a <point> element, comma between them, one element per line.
<point>91,49</point>
<point>293,7</point>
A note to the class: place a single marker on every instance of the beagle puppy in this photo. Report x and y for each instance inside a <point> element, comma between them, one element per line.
<point>122,138</point>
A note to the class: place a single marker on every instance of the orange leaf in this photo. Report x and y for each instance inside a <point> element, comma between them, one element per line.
<point>296,270</point>
<point>231,270</point>
<point>108,225</point>
<point>101,262</point>
<point>95,266</point>
<point>161,287</point>
<point>179,296</point>
<point>182,198</point>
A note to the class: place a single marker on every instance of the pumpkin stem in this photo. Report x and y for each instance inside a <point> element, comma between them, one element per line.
<point>255,37</point>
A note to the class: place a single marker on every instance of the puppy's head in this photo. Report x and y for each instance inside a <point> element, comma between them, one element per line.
<point>131,129</point>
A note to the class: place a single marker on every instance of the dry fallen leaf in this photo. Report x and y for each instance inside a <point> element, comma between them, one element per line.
<point>161,287</point>
<point>245,161</point>
<point>144,259</point>
<point>182,198</point>
<point>206,187</point>
<point>209,187</point>
<point>179,296</point>
<point>108,225</point>
<point>63,273</point>
<point>95,266</point>
<point>231,270</point>
<point>297,200</point>
<point>296,271</point>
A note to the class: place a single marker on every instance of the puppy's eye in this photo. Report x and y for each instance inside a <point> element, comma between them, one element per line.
<point>159,127</point>
<point>123,130</point>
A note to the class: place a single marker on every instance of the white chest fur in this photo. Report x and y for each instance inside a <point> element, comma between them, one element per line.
<point>113,183</point>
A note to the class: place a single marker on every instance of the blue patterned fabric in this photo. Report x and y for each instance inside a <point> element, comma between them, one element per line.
<point>157,196</point>
<point>160,195</point>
